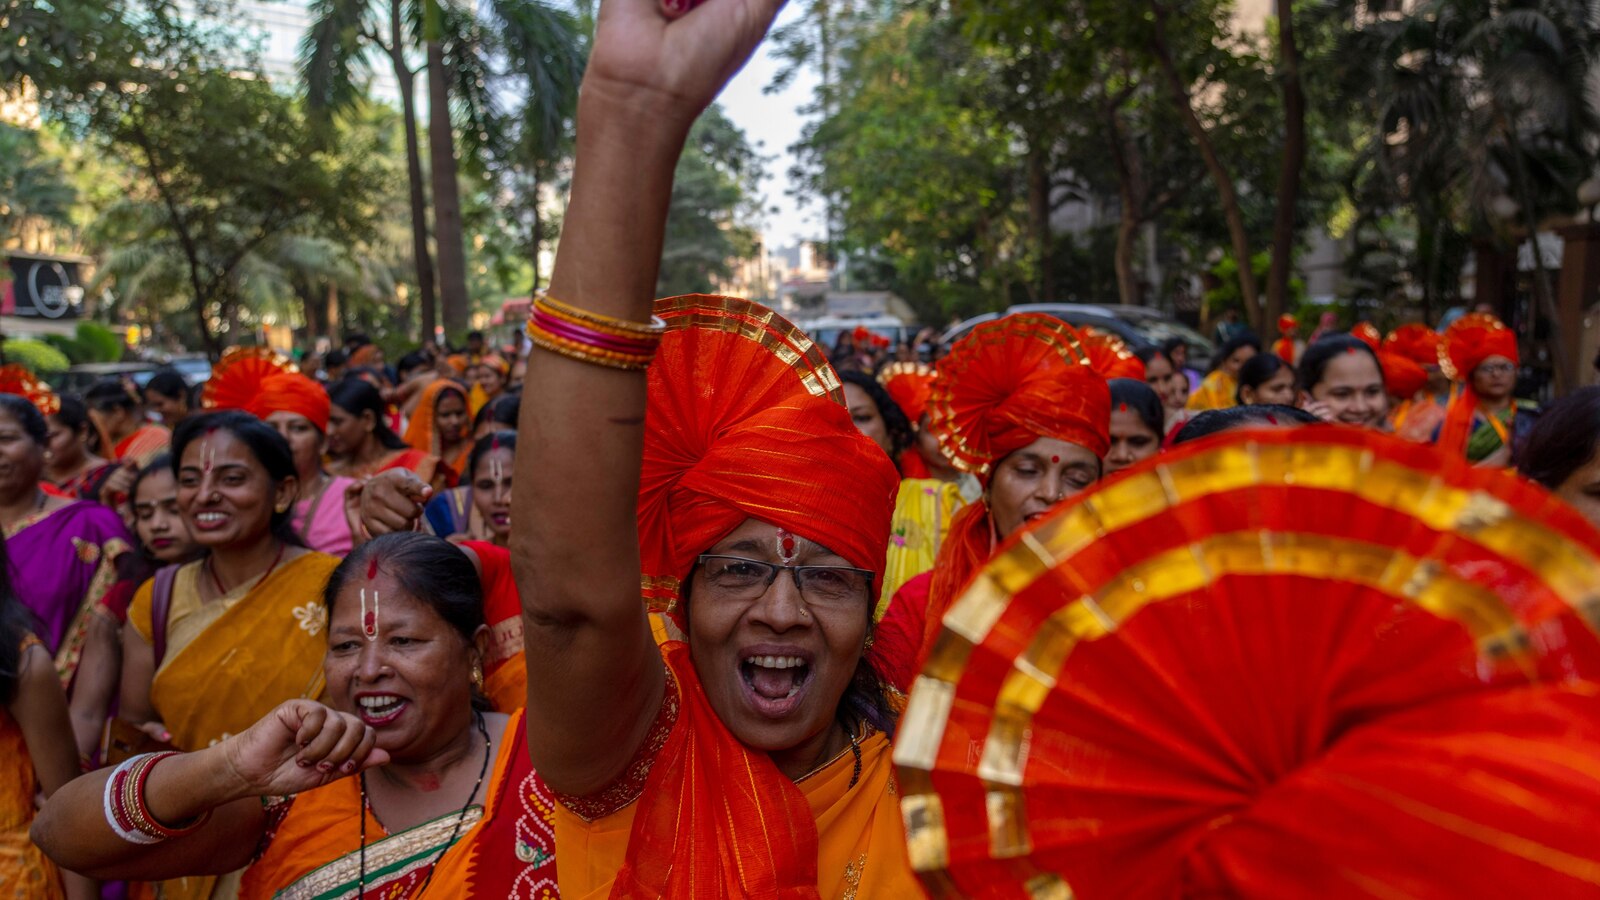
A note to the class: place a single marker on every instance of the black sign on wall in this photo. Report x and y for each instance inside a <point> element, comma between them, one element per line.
<point>44,288</point>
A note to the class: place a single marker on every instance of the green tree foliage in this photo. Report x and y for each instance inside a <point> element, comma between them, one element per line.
<point>35,190</point>
<point>923,172</point>
<point>714,199</point>
<point>227,165</point>
<point>38,357</point>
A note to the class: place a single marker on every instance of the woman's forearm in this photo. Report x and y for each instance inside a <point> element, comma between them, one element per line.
<point>72,827</point>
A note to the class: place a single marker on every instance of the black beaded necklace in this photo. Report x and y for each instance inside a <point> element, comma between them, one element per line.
<point>361,881</point>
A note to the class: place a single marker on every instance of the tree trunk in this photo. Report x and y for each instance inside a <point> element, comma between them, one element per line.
<point>1130,197</point>
<point>1039,218</point>
<point>1294,159</point>
<point>1226,192</point>
<point>406,80</point>
<point>538,232</point>
<point>311,309</point>
<point>447,238</point>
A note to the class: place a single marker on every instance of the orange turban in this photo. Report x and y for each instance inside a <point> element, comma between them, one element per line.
<point>1402,377</point>
<point>1416,342</point>
<point>1469,341</point>
<point>746,419</point>
<point>294,393</point>
<point>1367,333</point>
<point>239,378</point>
<point>1110,357</point>
<point>1010,382</point>
<point>908,384</point>
<point>1474,338</point>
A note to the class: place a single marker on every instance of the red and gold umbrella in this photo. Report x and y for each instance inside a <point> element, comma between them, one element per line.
<point>1283,663</point>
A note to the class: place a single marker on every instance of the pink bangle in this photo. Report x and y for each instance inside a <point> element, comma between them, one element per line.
<point>589,336</point>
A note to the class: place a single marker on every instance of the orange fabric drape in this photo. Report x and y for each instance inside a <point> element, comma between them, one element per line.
<point>421,433</point>
<point>718,819</point>
<point>513,843</point>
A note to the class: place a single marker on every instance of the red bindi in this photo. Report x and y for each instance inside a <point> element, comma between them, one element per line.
<point>1055,459</point>
<point>1272,419</point>
<point>1122,407</point>
<point>372,568</point>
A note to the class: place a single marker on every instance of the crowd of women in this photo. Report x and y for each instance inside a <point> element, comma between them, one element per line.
<point>294,638</point>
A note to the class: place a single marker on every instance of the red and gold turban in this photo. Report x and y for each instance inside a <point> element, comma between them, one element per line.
<point>746,420</point>
<point>1472,339</point>
<point>1416,342</point>
<point>1367,333</point>
<point>237,378</point>
<point>908,384</point>
<point>1287,324</point>
<point>1010,382</point>
<point>1402,377</point>
<point>16,379</point>
<point>1110,357</point>
<point>294,393</point>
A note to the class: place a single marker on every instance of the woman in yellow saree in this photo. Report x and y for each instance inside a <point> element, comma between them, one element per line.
<point>1220,388</point>
<point>752,760</point>
<point>214,645</point>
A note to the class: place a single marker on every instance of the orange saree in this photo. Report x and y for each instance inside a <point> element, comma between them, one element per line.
<point>144,444</point>
<point>715,819</point>
<point>508,850</point>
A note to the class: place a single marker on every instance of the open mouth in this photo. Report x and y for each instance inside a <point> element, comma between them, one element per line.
<point>380,709</point>
<point>775,685</point>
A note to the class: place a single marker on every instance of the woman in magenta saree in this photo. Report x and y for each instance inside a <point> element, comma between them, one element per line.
<point>62,557</point>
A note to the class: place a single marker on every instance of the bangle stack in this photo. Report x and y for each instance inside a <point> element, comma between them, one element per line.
<point>593,338</point>
<point>126,811</point>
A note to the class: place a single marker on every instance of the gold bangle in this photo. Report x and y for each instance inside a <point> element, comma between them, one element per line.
<point>554,345</point>
<point>555,307</point>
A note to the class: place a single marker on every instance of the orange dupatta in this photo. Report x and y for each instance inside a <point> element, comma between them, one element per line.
<point>717,819</point>
<point>421,433</point>
<point>690,835</point>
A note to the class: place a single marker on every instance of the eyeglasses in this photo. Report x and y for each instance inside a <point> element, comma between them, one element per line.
<point>737,578</point>
<point>1499,368</point>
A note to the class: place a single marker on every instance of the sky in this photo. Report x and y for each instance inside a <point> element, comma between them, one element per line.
<point>772,123</point>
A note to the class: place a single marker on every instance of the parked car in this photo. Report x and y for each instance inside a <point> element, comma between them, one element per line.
<point>1138,326</point>
<point>81,377</point>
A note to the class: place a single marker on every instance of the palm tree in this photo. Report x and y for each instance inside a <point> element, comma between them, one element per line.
<point>1485,109</point>
<point>335,66</point>
<point>532,42</point>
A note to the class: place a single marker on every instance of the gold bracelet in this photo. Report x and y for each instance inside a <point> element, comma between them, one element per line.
<point>545,341</point>
<point>628,327</point>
